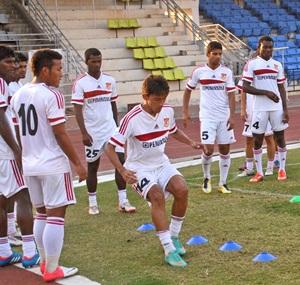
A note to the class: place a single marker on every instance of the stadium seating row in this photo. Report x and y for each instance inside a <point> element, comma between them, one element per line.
<point>141,42</point>
<point>156,52</point>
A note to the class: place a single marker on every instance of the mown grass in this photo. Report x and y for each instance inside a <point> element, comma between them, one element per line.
<point>108,249</point>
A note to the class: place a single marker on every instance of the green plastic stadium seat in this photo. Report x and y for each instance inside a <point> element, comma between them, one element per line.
<point>179,74</point>
<point>152,42</point>
<point>168,74</point>
<point>160,52</point>
<point>112,23</point>
<point>138,53</point>
<point>149,53</point>
<point>133,23</point>
<point>123,24</point>
<point>142,42</point>
<point>131,42</point>
<point>157,72</point>
<point>148,64</point>
<point>159,63</point>
<point>169,62</point>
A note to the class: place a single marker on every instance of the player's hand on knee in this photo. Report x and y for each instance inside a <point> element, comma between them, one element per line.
<point>81,171</point>
<point>87,139</point>
<point>196,145</point>
<point>271,95</point>
<point>129,176</point>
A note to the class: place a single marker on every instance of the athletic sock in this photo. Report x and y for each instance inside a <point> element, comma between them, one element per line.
<point>224,165</point>
<point>5,249</point>
<point>38,231</point>
<point>166,242</point>
<point>11,224</point>
<point>175,225</point>
<point>206,165</point>
<point>122,194</point>
<point>282,157</point>
<point>270,164</point>
<point>28,245</point>
<point>92,199</point>
<point>53,240</point>
<point>258,160</point>
<point>249,164</point>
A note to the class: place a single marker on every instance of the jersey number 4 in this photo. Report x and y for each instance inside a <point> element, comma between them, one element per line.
<point>29,119</point>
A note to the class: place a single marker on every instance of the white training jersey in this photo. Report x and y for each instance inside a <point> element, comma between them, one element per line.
<point>146,137</point>
<point>5,150</point>
<point>215,84</point>
<point>14,87</point>
<point>36,108</point>
<point>96,96</point>
<point>265,75</point>
<point>249,98</point>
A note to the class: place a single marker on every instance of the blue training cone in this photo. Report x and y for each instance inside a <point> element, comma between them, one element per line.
<point>264,257</point>
<point>146,227</point>
<point>230,246</point>
<point>197,240</point>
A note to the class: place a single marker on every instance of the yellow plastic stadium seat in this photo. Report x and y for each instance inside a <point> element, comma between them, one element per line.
<point>113,24</point>
<point>160,52</point>
<point>179,74</point>
<point>141,42</point>
<point>131,42</point>
<point>152,42</point>
<point>159,63</point>
<point>133,23</point>
<point>138,53</point>
<point>168,74</point>
<point>169,62</point>
<point>123,24</point>
<point>157,72</point>
<point>148,64</point>
<point>149,53</point>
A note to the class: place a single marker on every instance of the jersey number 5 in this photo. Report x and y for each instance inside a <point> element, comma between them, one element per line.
<point>29,119</point>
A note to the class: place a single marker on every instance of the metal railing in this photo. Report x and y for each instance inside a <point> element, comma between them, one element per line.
<point>55,35</point>
<point>237,51</point>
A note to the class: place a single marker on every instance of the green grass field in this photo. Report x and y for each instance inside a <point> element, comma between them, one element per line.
<point>108,249</point>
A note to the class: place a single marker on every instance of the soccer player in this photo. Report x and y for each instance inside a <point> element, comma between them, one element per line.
<point>13,87</point>
<point>12,186</point>
<point>264,77</point>
<point>246,115</point>
<point>145,129</point>
<point>94,99</point>
<point>217,106</point>
<point>39,112</point>
<point>21,61</point>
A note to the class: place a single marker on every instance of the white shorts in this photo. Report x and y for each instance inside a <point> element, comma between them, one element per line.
<point>92,153</point>
<point>248,133</point>
<point>260,121</point>
<point>216,132</point>
<point>11,179</point>
<point>160,176</point>
<point>51,191</point>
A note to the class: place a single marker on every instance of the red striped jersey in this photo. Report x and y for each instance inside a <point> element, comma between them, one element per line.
<point>265,75</point>
<point>215,84</point>
<point>36,108</point>
<point>146,137</point>
<point>96,96</point>
<point>5,150</point>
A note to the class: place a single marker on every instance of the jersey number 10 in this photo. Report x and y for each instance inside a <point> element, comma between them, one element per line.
<point>29,120</point>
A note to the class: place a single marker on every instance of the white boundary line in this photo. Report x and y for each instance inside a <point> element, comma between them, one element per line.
<point>111,177</point>
<point>74,280</point>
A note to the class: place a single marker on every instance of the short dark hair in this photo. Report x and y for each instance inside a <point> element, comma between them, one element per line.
<point>155,85</point>
<point>213,45</point>
<point>6,52</point>
<point>264,38</point>
<point>43,58</point>
<point>91,51</point>
<point>20,57</point>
